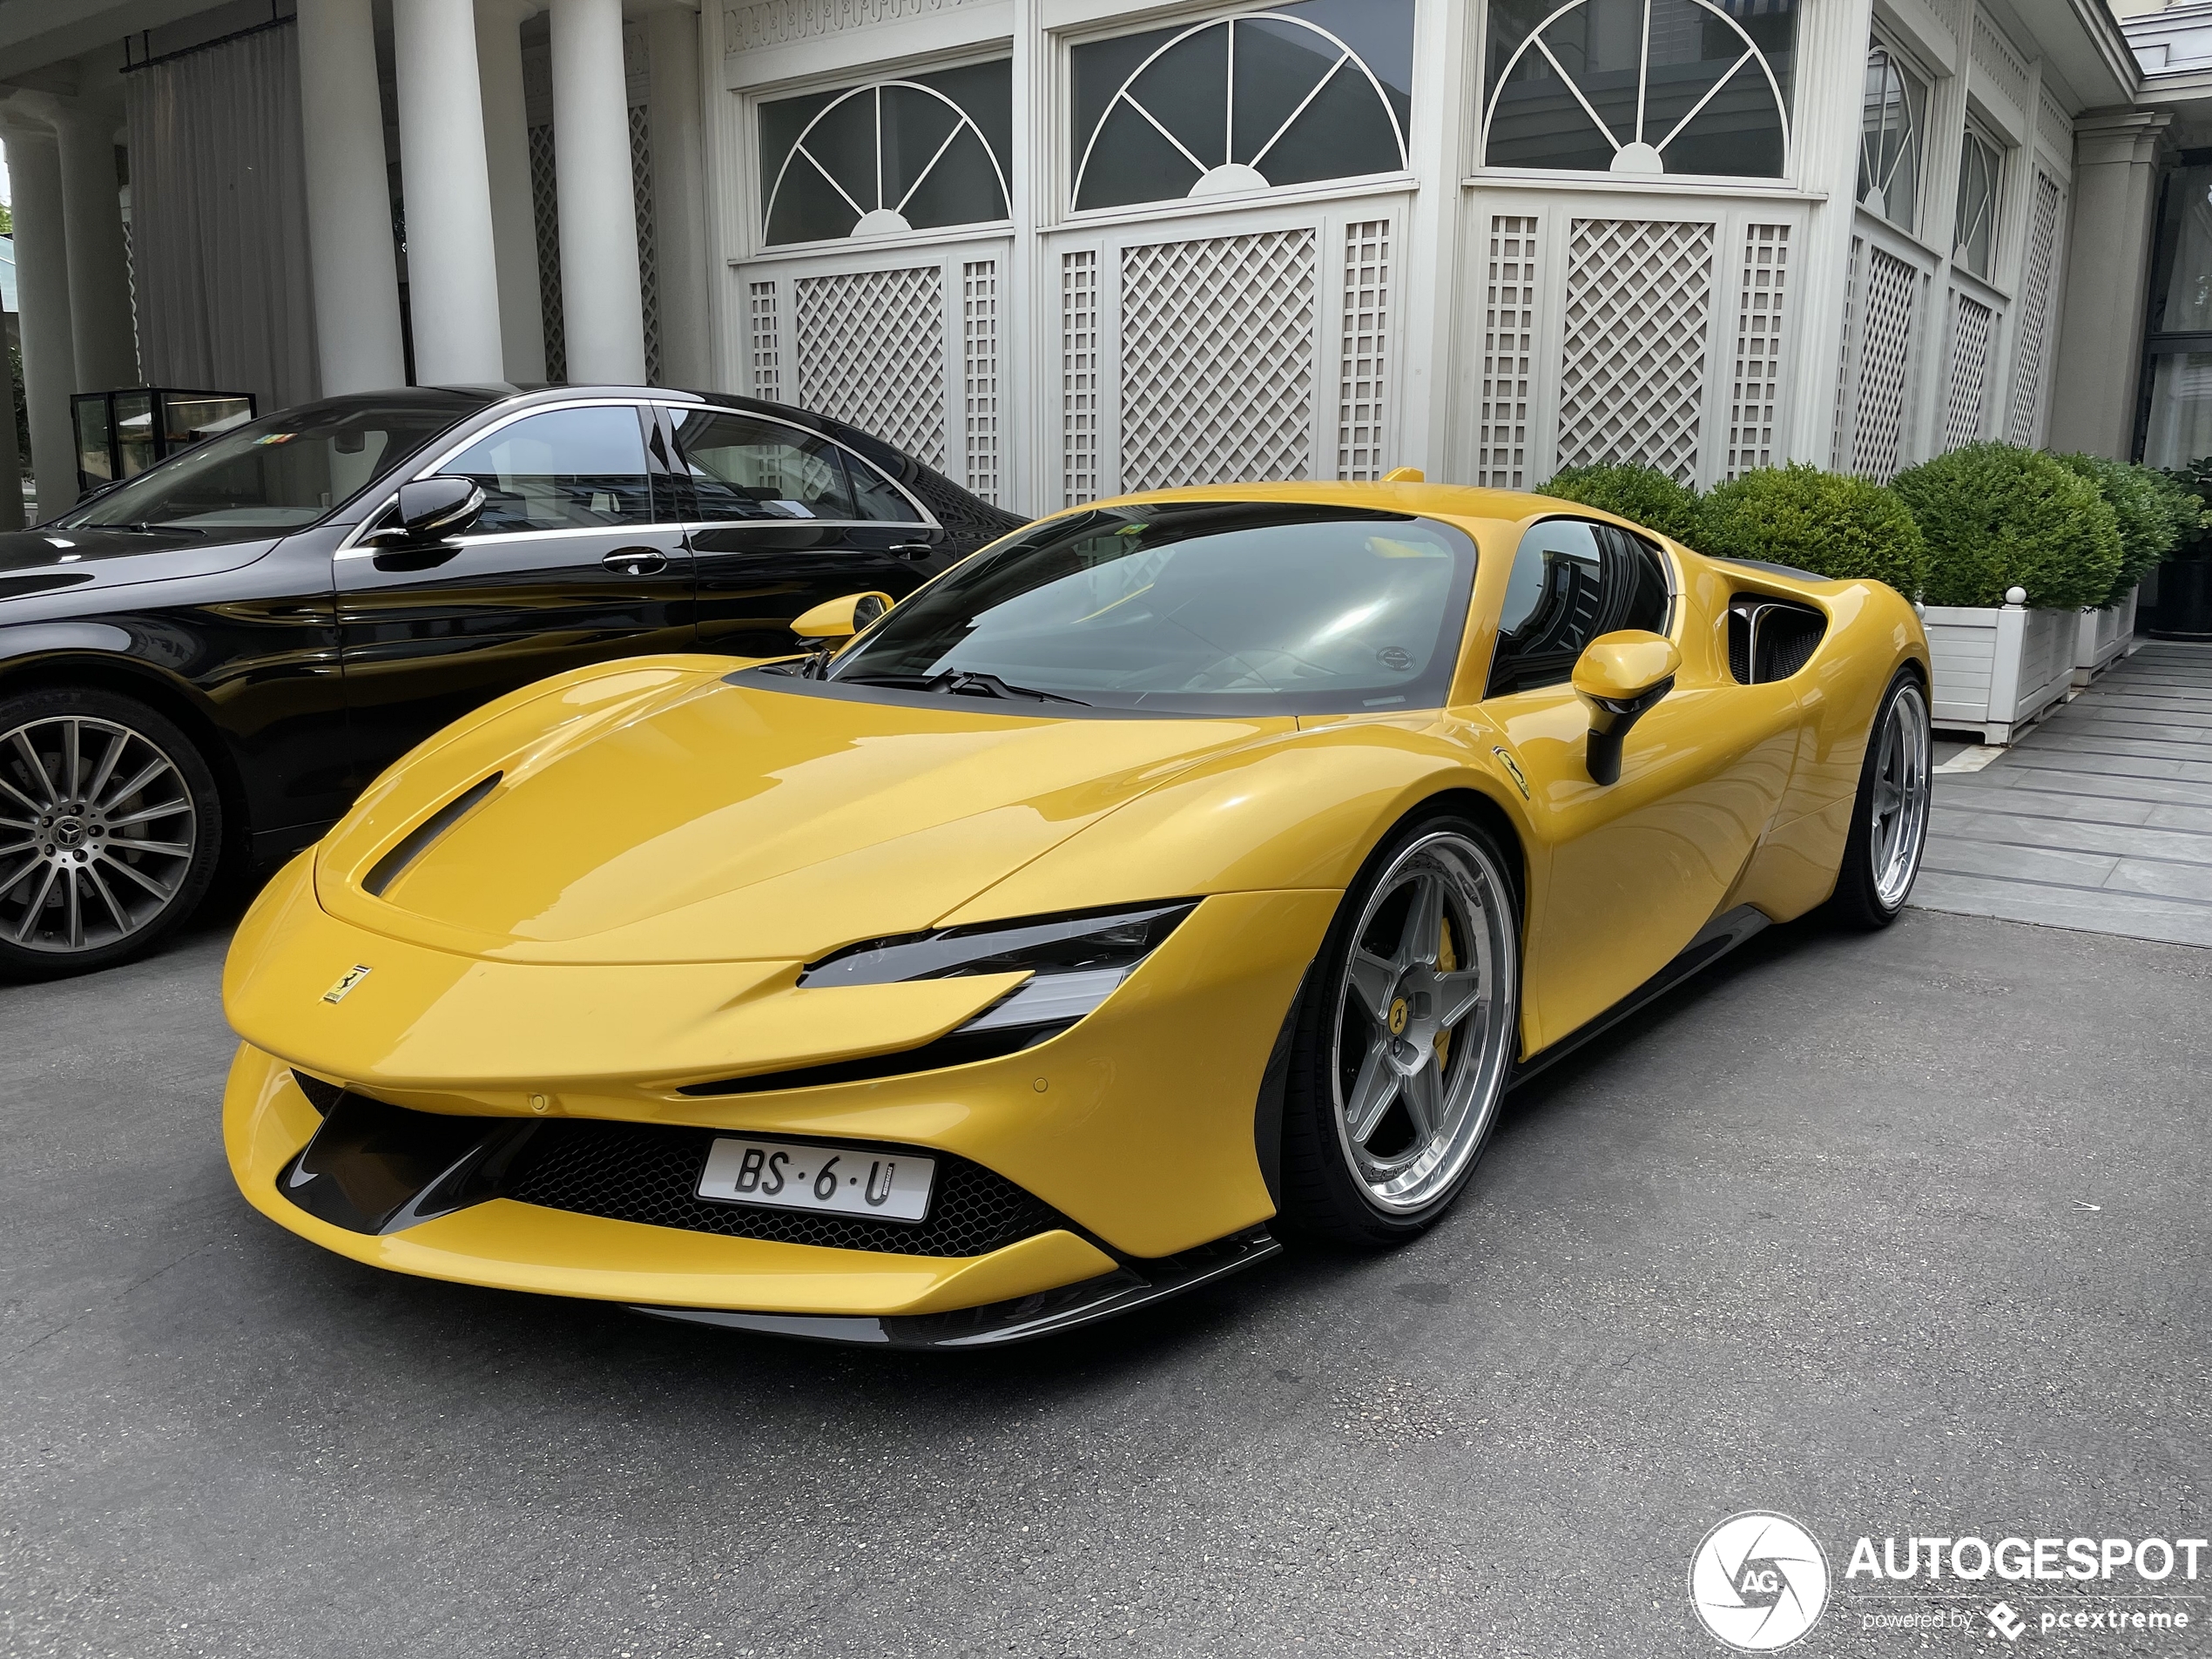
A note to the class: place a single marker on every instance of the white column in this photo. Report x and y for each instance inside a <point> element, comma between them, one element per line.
<point>452,266</point>
<point>101,328</point>
<point>603,311</point>
<point>42,294</point>
<point>350,200</point>
<point>506,160</point>
<point>2107,281</point>
<point>679,195</point>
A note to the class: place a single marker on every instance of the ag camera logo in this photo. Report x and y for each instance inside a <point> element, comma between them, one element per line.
<point>1758,1581</point>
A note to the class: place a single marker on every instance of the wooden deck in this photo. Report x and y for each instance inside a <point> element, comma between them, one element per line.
<point>2100,819</point>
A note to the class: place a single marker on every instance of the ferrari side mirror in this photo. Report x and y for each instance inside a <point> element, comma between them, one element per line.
<point>837,619</point>
<point>1619,677</point>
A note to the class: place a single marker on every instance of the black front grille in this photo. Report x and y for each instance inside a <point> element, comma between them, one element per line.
<point>648,1173</point>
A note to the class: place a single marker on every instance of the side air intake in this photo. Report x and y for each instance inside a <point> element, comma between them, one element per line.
<point>1771,639</point>
<point>420,839</point>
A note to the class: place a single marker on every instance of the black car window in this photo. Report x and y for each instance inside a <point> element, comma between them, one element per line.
<point>742,468</point>
<point>1573,580</point>
<point>571,468</point>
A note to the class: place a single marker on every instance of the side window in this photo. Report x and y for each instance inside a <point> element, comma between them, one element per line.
<point>876,497</point>
<point>1572,581</point>
<point>563,470</point>
<point>741,467</point>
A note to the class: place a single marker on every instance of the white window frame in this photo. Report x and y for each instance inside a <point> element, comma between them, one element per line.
<point>1907,63</point>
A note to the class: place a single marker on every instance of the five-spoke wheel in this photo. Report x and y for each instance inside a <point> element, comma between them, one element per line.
<point>1888,828</point>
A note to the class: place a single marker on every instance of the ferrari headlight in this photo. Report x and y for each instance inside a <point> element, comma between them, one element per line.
<point>1073,962</point>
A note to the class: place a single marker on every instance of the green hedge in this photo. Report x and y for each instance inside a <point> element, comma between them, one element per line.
<point>1831,523</point>
<point>1643,495</point>
<point>1995,516</point>
<point>2149,509</point>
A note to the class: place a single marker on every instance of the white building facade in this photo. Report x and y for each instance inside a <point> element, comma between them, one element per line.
<point>1065,248</point>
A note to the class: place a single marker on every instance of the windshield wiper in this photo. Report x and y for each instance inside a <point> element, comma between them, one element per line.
<point>961,682</point>
<point>143,529</point>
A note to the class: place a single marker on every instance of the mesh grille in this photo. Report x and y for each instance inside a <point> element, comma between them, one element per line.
<point>647,1173</point>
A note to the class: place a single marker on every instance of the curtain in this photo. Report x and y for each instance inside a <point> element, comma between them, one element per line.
<point>219,221</point>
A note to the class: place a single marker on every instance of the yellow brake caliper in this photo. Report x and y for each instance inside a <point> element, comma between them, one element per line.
<point>1447,960</point>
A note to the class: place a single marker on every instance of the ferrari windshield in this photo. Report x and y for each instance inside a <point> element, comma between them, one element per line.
<point>1194,607</point>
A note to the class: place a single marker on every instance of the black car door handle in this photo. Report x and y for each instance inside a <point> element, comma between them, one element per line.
<point>635,561</point>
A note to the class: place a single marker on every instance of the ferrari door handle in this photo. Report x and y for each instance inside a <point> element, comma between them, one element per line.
<point>635,561</point>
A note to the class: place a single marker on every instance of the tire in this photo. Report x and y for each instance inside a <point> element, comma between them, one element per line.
<point>1374,1153</point>
<point>1889,820</point>
<point>111,830</point>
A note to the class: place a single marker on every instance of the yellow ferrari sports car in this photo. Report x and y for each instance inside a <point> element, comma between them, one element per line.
<point>1176,871</point>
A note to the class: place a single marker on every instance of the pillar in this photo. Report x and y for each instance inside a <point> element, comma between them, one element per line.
<point>103,334</point>
<point>680,256</point>
<point>452,266</point>
<point>351,260</point>
<point>506,160</point>
<point>42,295</point>
<point>601,303</point>
<point>10,464</point>
<point>2107,281</point>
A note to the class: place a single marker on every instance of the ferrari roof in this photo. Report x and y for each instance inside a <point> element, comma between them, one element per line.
<point>1443,501</point>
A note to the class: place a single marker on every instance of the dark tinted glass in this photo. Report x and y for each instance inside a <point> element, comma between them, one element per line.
<point>742,468</point>
<point>564,470</point>
<point>1200,608</point>
<point>1573,581</point>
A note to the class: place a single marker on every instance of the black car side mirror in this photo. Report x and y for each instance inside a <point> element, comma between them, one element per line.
<point>429,509</point>
<point>1620,678</point>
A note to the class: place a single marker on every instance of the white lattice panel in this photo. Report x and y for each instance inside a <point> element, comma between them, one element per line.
<point>1756,386</point>
<point>641,184</point>
<point>1633,341</point>
<point>545,208</point>
<point>871,349</point>
<point>764,338</point>
<point>1216,360</point>
<point>1508,350</point>
<point>1973,329</point>
<point>1843,357</point>
<point>980,372</point>
<point>2035,309</point>
<point>1362,415</point>
<point>1885,364</point>
<point>1079,376</point>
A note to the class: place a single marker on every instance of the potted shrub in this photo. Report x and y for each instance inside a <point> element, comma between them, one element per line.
<point>2177,596</point>
<point>2017,545</point>
<point>2151,512</point>
<point>1831,523</point>
<point>1644,495</point>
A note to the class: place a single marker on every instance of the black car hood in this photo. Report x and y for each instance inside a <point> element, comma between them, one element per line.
<point>53,560</point>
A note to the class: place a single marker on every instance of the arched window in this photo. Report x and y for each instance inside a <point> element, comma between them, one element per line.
<point>1981,170</point>
<point>919,153</point>
<point>1640,86</point>
<point>1892,136</point>
<point>1289,96</point>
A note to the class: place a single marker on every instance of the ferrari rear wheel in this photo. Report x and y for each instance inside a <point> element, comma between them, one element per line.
<point>1405,1039</point>
<point>1888,828</point>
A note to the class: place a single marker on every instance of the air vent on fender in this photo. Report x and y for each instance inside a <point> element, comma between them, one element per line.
<point>418,840</point>
<point>1771,639</point>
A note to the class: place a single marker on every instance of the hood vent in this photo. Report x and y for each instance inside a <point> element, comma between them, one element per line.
<point>418,840</point>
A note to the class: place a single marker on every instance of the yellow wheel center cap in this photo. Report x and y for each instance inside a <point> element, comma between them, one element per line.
<point>1398,1013</point>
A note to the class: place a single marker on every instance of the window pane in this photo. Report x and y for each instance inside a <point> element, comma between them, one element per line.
<point>1566,102</point>
<point>2184,305</point>
<point>743,468</point>
<point>874,495</point>
<point>1891,138</point>
<point>1980,166</point>
<point>564,470</point>
<point>1571,582</point>
<point>1319,90</point>
<point>913,153</point>
<point>2180,409</point>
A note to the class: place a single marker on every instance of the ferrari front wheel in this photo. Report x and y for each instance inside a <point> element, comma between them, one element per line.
<point>1405,1038</point>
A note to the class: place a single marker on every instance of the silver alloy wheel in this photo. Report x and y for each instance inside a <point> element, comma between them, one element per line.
<point>1903,785</point>
<point>1425,1015</point>
<point>97,833</point>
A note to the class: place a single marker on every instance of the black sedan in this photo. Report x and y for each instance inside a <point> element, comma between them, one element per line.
<point>213,659</point>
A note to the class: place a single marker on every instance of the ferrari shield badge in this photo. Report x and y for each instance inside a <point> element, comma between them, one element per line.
<point>346,980</point>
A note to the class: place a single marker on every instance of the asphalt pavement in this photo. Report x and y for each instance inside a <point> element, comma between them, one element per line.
<point>1893,1235</point>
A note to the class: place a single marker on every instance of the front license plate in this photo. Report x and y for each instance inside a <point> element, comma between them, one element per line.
<point>835,1180</point>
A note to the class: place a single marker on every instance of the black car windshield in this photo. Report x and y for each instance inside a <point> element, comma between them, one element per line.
<point>276,473</point>
<point>1191,607</point>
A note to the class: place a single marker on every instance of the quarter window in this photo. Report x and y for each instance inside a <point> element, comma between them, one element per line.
<point>563,470</point>
<point>1298,93</point>
<point>1640,86</point>
<point>1981,169</point>
<point>920,152</point>
<point>1892,136</point>
<point>742,468</point>
<point>1572,581</point>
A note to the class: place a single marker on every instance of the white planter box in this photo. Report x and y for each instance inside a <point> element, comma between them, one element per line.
<point>1997,668</point>
<point>2103,638</point>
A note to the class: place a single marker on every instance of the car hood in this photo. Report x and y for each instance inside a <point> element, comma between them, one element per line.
<point>53,561</point>
<point>664,813</point>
